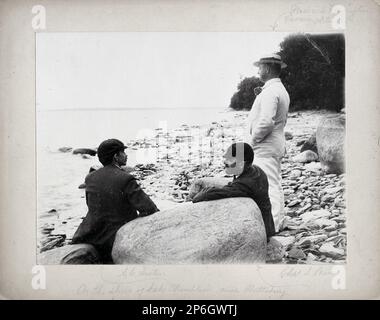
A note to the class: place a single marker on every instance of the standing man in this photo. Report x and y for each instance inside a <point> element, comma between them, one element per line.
<point>265,129</point>
<point>113,198</point>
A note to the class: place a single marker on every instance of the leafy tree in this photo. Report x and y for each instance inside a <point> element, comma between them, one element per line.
<point>314,76</point>
<point>243,99</point>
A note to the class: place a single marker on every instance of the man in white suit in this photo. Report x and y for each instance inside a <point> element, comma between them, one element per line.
<point>265,129</point>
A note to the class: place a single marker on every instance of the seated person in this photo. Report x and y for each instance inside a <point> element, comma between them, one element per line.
<point>113,198</point>
<point>249,181</point>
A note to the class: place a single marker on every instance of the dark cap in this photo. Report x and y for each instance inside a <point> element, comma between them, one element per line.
<point>108,148</point>
<point>241,151</point>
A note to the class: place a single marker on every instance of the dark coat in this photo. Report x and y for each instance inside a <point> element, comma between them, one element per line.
<point>253,183</point>
<point>113,198</point>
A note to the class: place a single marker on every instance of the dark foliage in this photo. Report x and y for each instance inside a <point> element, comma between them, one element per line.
<point>315,74</point>
<point>244,97</point>
<point>314,77</point>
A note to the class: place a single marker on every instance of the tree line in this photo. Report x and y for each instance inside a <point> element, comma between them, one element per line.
<point>314,76</point>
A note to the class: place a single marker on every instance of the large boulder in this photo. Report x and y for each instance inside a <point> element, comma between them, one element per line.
<point>220,231</point>
<point>202,183</point>
<point>70,254</point>
<point>330,138</point>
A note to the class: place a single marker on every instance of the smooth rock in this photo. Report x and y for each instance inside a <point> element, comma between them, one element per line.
<point>333,190</point>
<point>329,250</point>
<point>313,215</point>
<point>295,174</point>
<point>90,152</point>
<point>202,183</point>
<point>306,156</point>
<point>286,242</point>
<point>307,241</point>
<point>330,143</point>
<point>311,257</point>
<point>275,251</point>
<point>327,198</point>
<point>221,231</point>
<point>323,222</point>
<point>70,254</point>
<point>313,166</point>
<point>293,203</point>
<point>296,253</point>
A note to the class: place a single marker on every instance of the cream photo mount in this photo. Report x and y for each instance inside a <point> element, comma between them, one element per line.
<point>20,278</point>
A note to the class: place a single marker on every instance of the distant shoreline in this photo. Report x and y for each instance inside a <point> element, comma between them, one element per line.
<point>138,108</point>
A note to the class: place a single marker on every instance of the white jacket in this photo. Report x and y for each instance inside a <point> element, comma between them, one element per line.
<point>267,119</point>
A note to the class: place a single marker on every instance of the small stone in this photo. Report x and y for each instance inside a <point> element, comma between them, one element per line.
<point>305,208</point>
<point>296,253</point>
<point>329,228</point>
<point>313,166</point>
<point>339,203</point>
<point>53,243</point>
<point>327,198</point>
<point>52,211</point>
<point>306,156</point>
<point>275,251</point>
<point>306,241</point>
<point>323,222</point>
<point>333,233</point>
<point>333,190</point>
<point>329,250</point>
<point>293,203</point>
<point>313,215</point>
<point>65,149</point>
<point>343,231</point>
<point>295,173</point>
<point>91,152</point>
<point>286,242</point>
<point>311,257</point>
<point>288,135</point>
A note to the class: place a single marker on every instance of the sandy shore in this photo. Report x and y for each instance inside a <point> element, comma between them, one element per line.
<point>167,163</point>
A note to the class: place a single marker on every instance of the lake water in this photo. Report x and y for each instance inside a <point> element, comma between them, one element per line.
<point>59,174</point>
<point>87,128</point>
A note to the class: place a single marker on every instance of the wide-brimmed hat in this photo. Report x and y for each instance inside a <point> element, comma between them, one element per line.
<point>271,58</point>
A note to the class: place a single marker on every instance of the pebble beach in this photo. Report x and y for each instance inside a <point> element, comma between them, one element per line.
<point>168,161</point>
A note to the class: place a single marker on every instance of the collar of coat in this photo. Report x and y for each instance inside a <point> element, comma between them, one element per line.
<point>271,81</point>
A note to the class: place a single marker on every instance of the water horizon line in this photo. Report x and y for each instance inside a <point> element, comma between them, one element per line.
<point>135,108</point>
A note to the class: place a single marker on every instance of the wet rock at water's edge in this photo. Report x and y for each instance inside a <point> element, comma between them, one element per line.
<point>91,152</point>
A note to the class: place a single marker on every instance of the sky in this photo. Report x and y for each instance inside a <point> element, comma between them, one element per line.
<point>145,69</point>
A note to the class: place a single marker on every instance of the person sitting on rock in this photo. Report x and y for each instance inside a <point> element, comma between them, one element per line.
<point>113,198</point>
<point>249,181</point>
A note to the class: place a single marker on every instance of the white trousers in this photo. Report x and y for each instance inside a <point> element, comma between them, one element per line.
<point>272,168</point>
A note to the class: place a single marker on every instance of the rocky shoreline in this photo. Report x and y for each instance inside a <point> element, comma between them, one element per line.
<point>315,225</point>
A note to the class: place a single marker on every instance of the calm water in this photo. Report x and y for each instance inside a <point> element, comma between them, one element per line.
<point>87,128</point>
<point>59,174</point>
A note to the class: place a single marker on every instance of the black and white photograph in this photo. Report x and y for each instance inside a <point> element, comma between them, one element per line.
<point>190,148</point>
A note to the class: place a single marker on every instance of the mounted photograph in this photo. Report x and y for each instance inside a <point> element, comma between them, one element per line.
<point>165,148</point>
